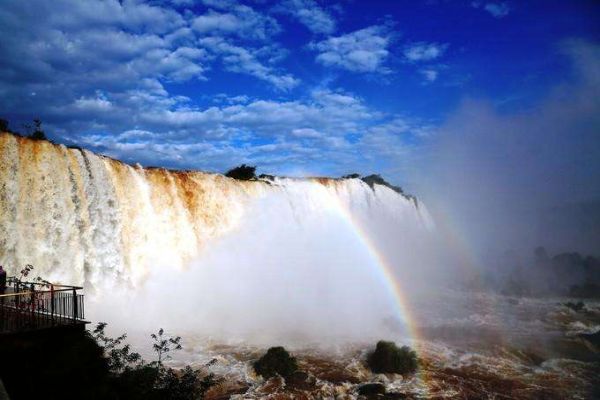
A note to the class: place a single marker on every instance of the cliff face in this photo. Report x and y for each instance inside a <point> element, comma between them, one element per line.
<point>79,217</point>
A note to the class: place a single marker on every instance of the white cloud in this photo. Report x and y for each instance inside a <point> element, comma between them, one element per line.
<point>101,75</point>
<point>306,133</point>
<point>123,46</point>
<point>364,50</point>
<point>310,14</point>
<point>241,21</point>
<point>422,51</point>
<point>497,10</point>
<point>429,74</point>
<point>213,22</point>
<point>242,60</point>
<point>93,104</point>
<point>299,132</point>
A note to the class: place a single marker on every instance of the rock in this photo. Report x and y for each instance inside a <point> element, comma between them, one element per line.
<point>371,389</point>
<point>577,307</point>
<point>388,358</point>
<point>272,385</point>
<point>592,340</point>
<point>395,396</point>
<point>226,390</point>
<point>300,380</point>
<point>277,361</point>
<point>381,378</point>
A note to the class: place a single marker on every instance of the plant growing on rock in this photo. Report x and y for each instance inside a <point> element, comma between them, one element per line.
<point>389,358</point>
<point>277,361</point>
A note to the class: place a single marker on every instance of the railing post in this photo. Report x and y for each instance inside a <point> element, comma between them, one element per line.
<point>52,303</point>
<point>32,288</point>
<point>32,318</point>
<point>17,298</point>
<point>74,304</point>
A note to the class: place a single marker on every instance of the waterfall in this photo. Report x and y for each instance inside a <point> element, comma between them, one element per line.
<point>86,219</point>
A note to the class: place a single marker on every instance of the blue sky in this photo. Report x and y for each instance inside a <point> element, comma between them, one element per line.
<point>299,87</point>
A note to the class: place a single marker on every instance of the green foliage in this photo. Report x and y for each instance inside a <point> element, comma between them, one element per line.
<point>24,273</point>
<point>38,133</point>
<point>185,385</point>
<point>277,361</point>
<point>164,344</point>
<point>133,378</point>
<point>389,358</point>
<point>351,176</point>
<point>119,355</point>
<point>243,172</point>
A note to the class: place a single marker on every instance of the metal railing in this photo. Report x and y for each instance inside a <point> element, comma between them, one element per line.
<point>36,305</point>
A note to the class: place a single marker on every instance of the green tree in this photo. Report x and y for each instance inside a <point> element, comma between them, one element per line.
<point>243,172</point>
<point>164,344</point>
<point>38,133</point>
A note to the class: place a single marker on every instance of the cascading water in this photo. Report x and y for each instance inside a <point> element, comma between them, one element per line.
<point>304,263</point>
<point>300,256</point>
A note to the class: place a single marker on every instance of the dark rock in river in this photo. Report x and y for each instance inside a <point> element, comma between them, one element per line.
<point>389,358</point>
<point>371,389</point>
<point>301,380</point>
<point>592,340</point>
<point>277,361</point>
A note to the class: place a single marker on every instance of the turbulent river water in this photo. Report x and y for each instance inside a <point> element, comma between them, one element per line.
<point>323,266</point>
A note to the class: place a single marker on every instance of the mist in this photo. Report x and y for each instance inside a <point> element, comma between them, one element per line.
<point>296,270</point>
<point>507,179</point>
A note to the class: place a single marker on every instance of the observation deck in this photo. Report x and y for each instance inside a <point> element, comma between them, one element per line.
<point>32,306</point>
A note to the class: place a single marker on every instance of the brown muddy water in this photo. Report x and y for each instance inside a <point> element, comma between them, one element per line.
<point>477,346</point>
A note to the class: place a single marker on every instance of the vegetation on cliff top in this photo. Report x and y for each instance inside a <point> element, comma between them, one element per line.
<point>243,173</point>
<point>33,131</point>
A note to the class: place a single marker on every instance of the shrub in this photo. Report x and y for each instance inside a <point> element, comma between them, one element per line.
<point>38,133</point>
<point>277,361</point>
<point>388,358</point>
<point>243,172</point>
<point>118,354</point>
<point>183,385</point>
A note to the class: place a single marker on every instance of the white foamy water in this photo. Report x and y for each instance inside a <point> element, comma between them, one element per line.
<point>292,259</point>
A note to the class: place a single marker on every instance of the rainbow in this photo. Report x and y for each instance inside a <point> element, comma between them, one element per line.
<point>393,287</point>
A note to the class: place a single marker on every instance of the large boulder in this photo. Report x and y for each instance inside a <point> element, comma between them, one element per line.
<point>277,361</point>
<point>371,389</point>
<point>301,380</point>
<point>389,358</point>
